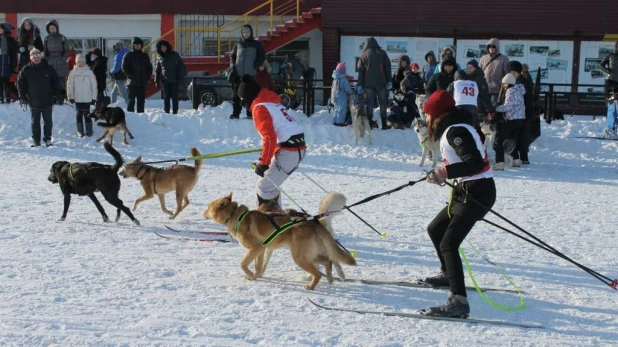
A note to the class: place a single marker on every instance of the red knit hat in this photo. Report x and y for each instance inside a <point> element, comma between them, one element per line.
<point>439,103</point>
<point>414,66</point>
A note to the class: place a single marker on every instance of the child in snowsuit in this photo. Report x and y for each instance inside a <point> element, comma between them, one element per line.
<point>339,94</point>
<point>82,91</point>
<point>403,109</point>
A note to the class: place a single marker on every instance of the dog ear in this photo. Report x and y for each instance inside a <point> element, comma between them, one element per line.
<point>138,159</point>
<point>229,196</point>
<point>276,198</point>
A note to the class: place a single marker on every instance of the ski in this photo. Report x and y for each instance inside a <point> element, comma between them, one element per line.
<point>422,284</point>
<point>182,238</point>
<point>421,316</point>
<point>596,138</point>
<point>197,232</point>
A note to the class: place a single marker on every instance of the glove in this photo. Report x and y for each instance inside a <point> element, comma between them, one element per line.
<point>359,90</point>
<point>437,176</point>
<point>389,85</point>
<point>22,49</point>
<point>260,169</point>
<point>93,102</point>
<point>72,101</point>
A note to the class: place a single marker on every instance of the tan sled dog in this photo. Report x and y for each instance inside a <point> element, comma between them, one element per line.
<point>310,242</point>
<point>159,181</point>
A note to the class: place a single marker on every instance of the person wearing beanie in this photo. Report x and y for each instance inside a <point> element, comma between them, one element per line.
<point>29,38</point>
<point>38,85</point>
<point>137,67</point>
<point>170,72</point>
<point>8,61</point>
<point>246,57</point>
<point>441,80</point>
<point>99,68</point>
<point>467,162</point>
<point>416,80</point>
<point>82,91</point>
<point>514,110</point>
<point>56,51</point>
<point>118,76</point>
<point>494,66</point>
<point>339,94</point>
<point>283,141</point>
<point>484,104</point>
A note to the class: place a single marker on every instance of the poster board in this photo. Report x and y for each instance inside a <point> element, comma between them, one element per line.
<point>554,57</point>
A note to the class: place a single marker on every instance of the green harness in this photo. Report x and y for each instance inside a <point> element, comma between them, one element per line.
<point>278,229</point>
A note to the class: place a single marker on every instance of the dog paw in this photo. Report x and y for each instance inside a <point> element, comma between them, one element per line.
<point>106,219</point>
<point>125,142</point>
<point>117,219</point>
<point>308,287</point>
<point>249,278</point>
<point>136,222</point>
<point>62,219</point>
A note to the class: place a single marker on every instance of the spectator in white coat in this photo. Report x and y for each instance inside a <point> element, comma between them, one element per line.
<point>82,91</point>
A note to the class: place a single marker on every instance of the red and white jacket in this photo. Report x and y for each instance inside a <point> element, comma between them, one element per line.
<point>274,125</point>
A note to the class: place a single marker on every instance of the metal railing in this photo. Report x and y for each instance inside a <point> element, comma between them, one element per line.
<point>591,102</point>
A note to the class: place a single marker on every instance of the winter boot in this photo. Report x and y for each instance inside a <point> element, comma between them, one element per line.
<point>439,280</point>
<point>88,129</point>
<point>456,306</point>
<point>80,130</point>
<point>234,116</point>
<point>385,125</point>
<point>498,166</point>
<point>516,163</point>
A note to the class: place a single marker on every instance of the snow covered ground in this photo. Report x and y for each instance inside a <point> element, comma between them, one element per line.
<point>83,282</point>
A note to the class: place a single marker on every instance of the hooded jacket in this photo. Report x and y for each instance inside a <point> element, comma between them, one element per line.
<point>116,72</point>
<point>99,68</point>
<point>609,65</point>
<point>374,66</point>
<point>137,67</point>
<point>400,73</point>
<point>247,55</point>
<point>39,84</point>
<point>514,106</point>
<point>453,51</point>
<point>494,67</point>
<point>273,124</point>
<point>429,68</point>
<point>8,51</point>
<point>56,50</point>
<point>28,40</point>
<point>263,77</point>
<point>442,79</point>
<point>170,67</point>
<point>82,85</point>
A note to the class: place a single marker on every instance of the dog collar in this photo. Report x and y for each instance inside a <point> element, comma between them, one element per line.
<point>139,168</point>
<point>230,217</point>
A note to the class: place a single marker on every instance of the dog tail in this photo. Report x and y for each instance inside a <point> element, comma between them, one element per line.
<point>116,155</point>
<point>331,202</point>
<point>337,254</point>
<point>198,163</point>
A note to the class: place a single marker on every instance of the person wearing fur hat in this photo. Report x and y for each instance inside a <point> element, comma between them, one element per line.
<point>466,162</point>
<point>99,68</point>
<point>263,78</point>
<point>447,51</point>
<point>246,57</point>
<point>283,141</point>
<point>82,91</point>
<point>494,66</point>
<point>514,110</point>
<point>56,50</point>
<point>170,72</point>
<point>137,67</point>
<point>8,61</point>
<point>339,94</point>
<point>39,87</point>
<point>29,38</point>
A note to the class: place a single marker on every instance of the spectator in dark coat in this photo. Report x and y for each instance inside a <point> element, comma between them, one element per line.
<point>8,61</point>
<point>170,72</point>
<point>429,67</point>
<point>138,68</point>
<point>56,53</point>
<point>39,87</point>
<point>609,65</point>
<point>442,79</point>
<point>403,66</point>
<point>374,79</point>
<point>485,106</point>
<point>246,57</point>
<point>119,78</point>
<point>403,108</point>
<point>99,67</point>
<point>263,77</point>
<point>416,80</point>
<point>29,38</point>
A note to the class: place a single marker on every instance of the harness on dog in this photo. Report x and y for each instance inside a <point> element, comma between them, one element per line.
<point>154,181</point>
<point>71,175</point>
<point>280,229</point>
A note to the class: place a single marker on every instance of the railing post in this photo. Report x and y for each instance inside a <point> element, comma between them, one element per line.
<point>218,45</point>
<point>194,94</point>
<point>297,10</point>
<point>271,15</point>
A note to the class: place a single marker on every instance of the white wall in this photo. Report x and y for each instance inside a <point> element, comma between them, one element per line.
<point>106,26</point>
<point>2,17</point>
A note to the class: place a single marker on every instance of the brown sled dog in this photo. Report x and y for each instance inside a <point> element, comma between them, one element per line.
<point>159,181</point>
<point>310,242</point>
<point>115,120</point>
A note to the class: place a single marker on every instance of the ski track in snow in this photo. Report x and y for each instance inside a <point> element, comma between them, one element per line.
<point>85,282</point>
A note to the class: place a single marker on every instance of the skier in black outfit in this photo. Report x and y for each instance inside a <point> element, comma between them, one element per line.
<point>467,162</point>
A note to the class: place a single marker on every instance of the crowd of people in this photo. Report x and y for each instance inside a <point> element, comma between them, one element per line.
<point>40,72</point>
<point>493,90</point>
